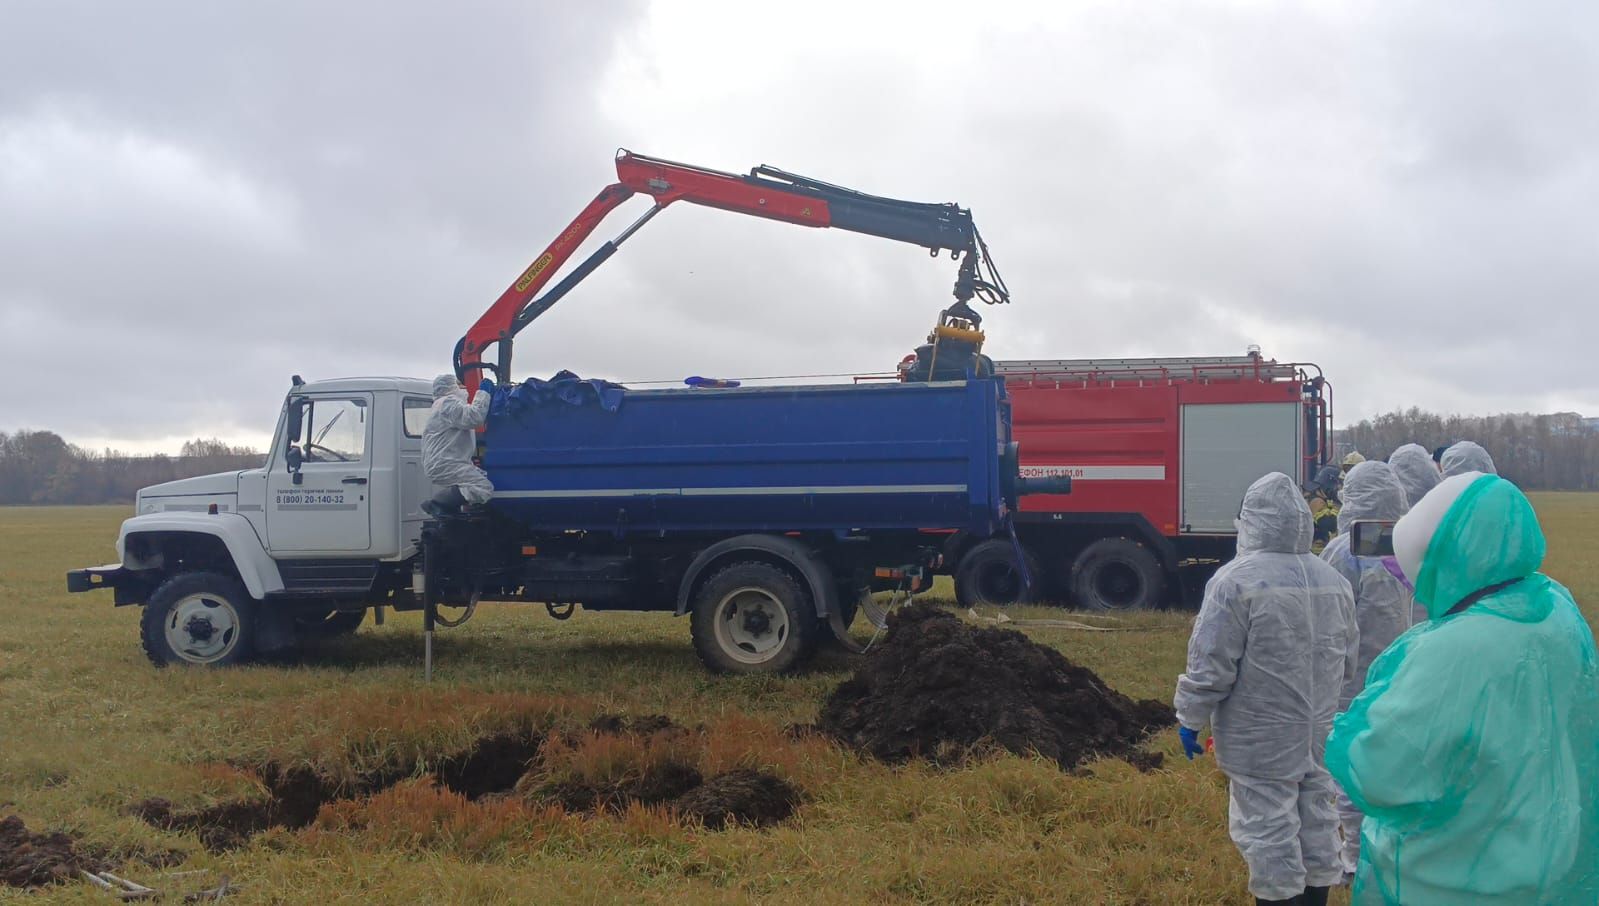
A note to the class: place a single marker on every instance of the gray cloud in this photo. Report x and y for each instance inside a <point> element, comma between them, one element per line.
<point>198,202</point>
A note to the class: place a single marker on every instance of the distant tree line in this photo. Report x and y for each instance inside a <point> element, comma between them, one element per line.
<point>1538,452</point>
<point>38,467</point>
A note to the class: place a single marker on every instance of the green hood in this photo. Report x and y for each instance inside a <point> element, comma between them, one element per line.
<point>1490,535</point>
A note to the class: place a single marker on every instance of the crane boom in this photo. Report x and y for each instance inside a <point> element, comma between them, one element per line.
<point>764,192</point>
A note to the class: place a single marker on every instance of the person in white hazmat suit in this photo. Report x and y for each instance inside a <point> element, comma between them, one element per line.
<point>448,441</point>
<point>1384,605</point>
<point>1464,457</point>
<point>1273,646</point>
<point>1416,471</point>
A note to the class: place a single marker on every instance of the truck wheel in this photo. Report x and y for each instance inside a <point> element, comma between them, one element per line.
<point>198,618</point>
<point>752,617</point>
<point>1117,574</point>
<point>987,576</point>
<point>330,625</point>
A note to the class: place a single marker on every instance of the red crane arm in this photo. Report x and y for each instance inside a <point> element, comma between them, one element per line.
<point>765,192</point>
<point>669,182</point>
<point>495,324</point>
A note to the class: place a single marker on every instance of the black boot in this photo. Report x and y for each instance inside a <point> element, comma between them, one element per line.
<point>1314,896</point>
<point>1291,901</point>
<point>449,500</point>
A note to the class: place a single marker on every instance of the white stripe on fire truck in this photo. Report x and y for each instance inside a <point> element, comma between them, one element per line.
<point>740,492</point>
<point>1096,473</point>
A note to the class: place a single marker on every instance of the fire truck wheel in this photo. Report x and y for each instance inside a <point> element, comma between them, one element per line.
<point>1117,574</point>
<point>987,576</point>
<point>752,617</point>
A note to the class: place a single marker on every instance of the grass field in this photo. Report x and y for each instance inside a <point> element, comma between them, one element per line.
<point>87,727</point>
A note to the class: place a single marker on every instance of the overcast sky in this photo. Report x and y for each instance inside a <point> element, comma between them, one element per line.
<point>197,202</point>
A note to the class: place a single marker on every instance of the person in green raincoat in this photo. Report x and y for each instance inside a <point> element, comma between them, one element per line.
<point>1474,748</point>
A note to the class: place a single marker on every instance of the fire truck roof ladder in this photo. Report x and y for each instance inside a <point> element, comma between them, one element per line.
<point>1240,367</point>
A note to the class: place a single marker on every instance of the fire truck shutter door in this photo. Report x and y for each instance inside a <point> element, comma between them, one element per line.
<point>1225,448</point>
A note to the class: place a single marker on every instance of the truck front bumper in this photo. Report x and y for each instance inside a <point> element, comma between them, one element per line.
<point>96,577</point>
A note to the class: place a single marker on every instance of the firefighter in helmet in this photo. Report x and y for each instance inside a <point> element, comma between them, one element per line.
<point>1322,497</point>
<point>1324,502</point>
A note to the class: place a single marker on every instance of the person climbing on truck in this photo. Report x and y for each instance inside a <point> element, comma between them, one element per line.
<point>448,441</point>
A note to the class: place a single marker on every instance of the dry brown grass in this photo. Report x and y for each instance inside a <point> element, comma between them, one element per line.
<point>87,727</point>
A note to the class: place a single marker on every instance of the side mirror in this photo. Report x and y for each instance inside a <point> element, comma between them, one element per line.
<point>1371,539</point>
<point>296,420</point>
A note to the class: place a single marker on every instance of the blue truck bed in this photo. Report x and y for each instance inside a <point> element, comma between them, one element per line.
<point>772,459</point>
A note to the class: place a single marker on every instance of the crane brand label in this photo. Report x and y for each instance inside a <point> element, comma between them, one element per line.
<point>533,270</point>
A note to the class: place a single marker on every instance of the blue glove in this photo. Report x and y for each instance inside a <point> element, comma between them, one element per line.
<point>486,386</point>
<point>1191,743</point>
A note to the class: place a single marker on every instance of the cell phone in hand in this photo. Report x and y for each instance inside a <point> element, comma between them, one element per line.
<point>1371,538</point>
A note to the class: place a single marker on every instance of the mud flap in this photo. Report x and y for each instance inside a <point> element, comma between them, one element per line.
<point>835,622</point>
<point>1021,555</point>
<point>274,630</point>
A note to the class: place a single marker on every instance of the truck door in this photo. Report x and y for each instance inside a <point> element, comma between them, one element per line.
<point>318,492</point>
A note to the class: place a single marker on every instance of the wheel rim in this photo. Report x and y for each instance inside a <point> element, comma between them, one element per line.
<point>202,628</point>
<point>1119,585</point>
<point>999,583</point>
<point>751,625</point>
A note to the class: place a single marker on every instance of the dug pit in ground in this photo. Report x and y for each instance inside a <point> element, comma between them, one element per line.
<point>615,763</point>
<point>940,689</point>
<point>651,761</point>
<point>296,793</point>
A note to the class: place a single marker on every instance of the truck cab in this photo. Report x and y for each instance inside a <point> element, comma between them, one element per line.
<point>331,521</point>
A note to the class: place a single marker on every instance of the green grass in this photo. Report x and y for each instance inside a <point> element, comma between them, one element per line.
<point>87,726</point>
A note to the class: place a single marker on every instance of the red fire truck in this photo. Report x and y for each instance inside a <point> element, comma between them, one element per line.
<point>1160,452</point>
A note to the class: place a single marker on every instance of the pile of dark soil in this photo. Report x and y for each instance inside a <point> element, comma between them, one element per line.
<point>28,859</point>
<point>745,797</point>
<point>942,690</point>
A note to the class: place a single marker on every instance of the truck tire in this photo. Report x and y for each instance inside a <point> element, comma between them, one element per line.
<point>752,617</point>
<point>330,625</point>
<point>987,576</point>
<point>199,618</point>
<point>1117,574</point>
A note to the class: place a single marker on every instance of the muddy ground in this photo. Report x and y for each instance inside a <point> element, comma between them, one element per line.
<point>939,689</point>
